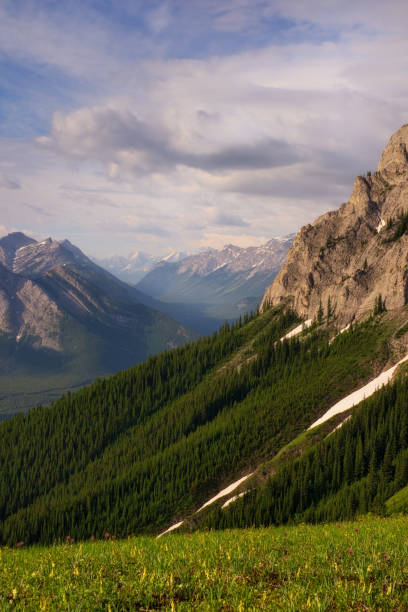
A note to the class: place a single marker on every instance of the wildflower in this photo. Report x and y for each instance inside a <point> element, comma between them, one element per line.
<point>350,551</point>
<point>92,538</point>
<point>19,544</point>
<point>107,535</point>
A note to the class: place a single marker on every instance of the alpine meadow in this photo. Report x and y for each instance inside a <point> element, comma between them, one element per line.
<point>203,306</point>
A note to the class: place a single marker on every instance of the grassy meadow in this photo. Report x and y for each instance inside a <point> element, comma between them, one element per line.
<point>361,565</point>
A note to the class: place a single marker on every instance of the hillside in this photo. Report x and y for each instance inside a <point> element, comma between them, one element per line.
<point>64,321</point>
<point>169,433</point>
<point>272,420</point>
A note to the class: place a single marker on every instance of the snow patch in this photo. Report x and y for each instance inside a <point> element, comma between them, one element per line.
<point>380,225</point>
<point>344,329</point>
<point>298,329</point>
<point>172,528</point>
<point>224,492</point>
<point>341,424</point>
<point>232,499</point>
<point>358,396</point>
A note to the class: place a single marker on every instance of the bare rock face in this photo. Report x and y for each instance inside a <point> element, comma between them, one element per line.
<point>50,286</point>
<point>352,255</point>
<point>9,245</point>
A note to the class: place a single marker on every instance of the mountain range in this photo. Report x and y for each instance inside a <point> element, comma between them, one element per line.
<point>64,321</point>
<point>135,266</point>
<point>295,413</point>
<point>228,281</point>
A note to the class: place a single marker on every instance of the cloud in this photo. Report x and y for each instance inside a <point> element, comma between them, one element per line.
<point>225,218</point>
<point>160,18</point>
<point>148,112</point>
<point>125,141</point>
<point>8,183</point>
<point>37,209</point>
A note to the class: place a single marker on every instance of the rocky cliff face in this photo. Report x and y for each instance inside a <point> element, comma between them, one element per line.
<point>65,321</point>
<point>352,255</point>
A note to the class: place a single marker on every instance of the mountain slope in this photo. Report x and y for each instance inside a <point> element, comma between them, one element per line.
<point>218,277</point>
<point>169,433</point>
<point>65,321</point>
<point>352,255</point>
<point>242,406</point>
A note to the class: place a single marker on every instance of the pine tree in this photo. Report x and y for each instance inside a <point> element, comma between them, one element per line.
<point>320,314</point>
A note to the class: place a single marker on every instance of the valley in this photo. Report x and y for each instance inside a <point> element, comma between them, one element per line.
<point>64,321</point>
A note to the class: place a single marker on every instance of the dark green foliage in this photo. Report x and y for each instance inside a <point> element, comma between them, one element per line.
<point>403,330</point>
<point>401,228</point>
<point>132,452</point>
<point>329,310</point>
<point>320,314</point>
<point>379,306</point>
<point>353,471</point>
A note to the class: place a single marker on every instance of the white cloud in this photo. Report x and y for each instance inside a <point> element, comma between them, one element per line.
<point>256,142</point>
<point>159,18</point>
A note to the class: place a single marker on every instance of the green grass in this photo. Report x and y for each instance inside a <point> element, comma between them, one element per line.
<point>398,502</point>
<point>352,566</point>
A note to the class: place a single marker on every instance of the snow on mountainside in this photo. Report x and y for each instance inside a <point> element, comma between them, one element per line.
<point>213,276</point>
<point>35,259</point>
<point>64,318</point>
<point>237,259</point>
<point>135,266</point>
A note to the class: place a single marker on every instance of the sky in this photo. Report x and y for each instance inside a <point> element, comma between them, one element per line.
<point>150,125</point>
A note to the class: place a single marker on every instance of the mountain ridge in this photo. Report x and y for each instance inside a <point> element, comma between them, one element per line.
<point>55,302</point>
<point>214,276</point>
<point>350,256</point>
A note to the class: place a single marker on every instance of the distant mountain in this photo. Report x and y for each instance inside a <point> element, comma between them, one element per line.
<point>64,321</point>
<point>133,268</point>
<point>205,289</point>
<point>231,280</point>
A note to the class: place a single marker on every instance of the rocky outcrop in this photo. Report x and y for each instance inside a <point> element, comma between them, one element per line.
<point>10,244</point>
<point>351,256</point>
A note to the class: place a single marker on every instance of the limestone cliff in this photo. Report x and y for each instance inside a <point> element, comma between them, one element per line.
<point>356,253</point>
